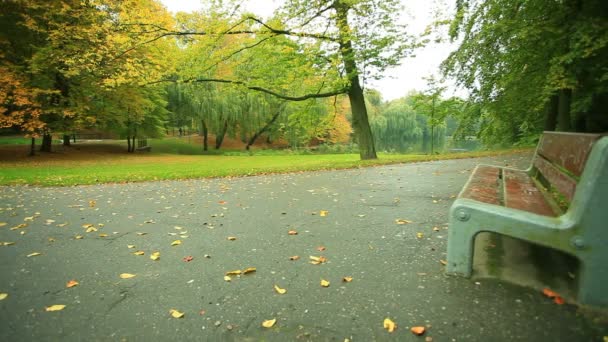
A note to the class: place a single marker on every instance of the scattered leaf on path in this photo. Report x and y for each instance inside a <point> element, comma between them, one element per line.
<point>389,325</point>
<point>78,237</point>
<point>436,229</point>
<point>323,213</point>
<point>2,224</point>
<point>321,248</point>
<point>402,221</point>
<point>227,278</point>
<point>92,203</point>
<point>139,253</point>
<point>558,300</point>
<point>130,246</point>
<point>34,254</point>
<point>103,235</point>
<point>3,296</point>
<point>176,242</point>
<point>443,262</point>
<point>6,243</point>
<point>292,232</point>
<point>231,238</point>
<point>279,290</point>
<point>294,258</point>
<point>235,272</point>
<point>176,314</point>
<point>418,330</point>
<point>155,256</point>
<point>419,235</point>
<point>249,270</point>
<point>347,279</point>
<point>142,233</point>
<point>91,229</point>
<point>317,260</point>
<point>19,226</point>
<point>269,323</point>
<point>127,275</point>
<point>71,283</point>
<point>188,258</point>
<point>324,283</point>
<point>56,307</point>
<point>549,293</point>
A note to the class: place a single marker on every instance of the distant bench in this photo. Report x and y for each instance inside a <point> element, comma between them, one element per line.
<point>560,202</point>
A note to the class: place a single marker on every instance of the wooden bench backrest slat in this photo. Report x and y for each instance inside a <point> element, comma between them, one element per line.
<point>567,150</point>
<point>562,182</point>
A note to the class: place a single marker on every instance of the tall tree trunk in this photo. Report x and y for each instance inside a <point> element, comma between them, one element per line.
<point>47,143</point>
<point>363,131</point>
<point>551,115</point>
<point>128,144</point>
<point>265,128</point>
<point>66,140</point>
<point>563,111</point>
<point>205,135</point>
<point>33,147</point>
<point>219,139</point>
<point>74,137</point>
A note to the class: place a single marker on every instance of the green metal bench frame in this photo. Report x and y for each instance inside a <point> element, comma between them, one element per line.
<point>581,231</point>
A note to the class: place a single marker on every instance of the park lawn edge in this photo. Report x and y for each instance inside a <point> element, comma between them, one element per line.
<point>60,176</point>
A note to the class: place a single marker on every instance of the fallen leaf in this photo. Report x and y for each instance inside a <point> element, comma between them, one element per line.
<point>279,290</point>
<point>549,293</point>
<point>142,233</point>
<point>2,224</point>
<point>418,330</point>
<point>235,272</point>
<point>71,283</point>
<point>6,243</point>
<point>249,270</point>
<point>222,202</point>
<point>402,221</point>
<point>323,213</point>
<point>92,203</point>
<point>443,262</point>
<point>435,229</point>
<point>101,225</point>
<point>292,232</point>
<point>231,238</point>
<point>34,254</point>
<point>347,279</point>
<point>139,253</point>
<point>321,248</point>
<point>3,296</point>
<point>127,275</point>
<point>227,278</point>
<point>29,218</point>
<point>419,235</point>
<point>51,239</point>
<point>176,314</point>
<point>188,258</point>
<point>155,256</point>
<point>91,229</point>
<point>294,258</point>
<point>103,235</point>
<point>130,246</point>
<point>558,300</point>
<point>176,242</point>
<point>389,325</point>
<point>56,307</point>
<point>324,283</point>
<point>269,323</point>
<point>19,226</point>
<point>87,225</point>
<point>317,260</point>
<point>78,237</point>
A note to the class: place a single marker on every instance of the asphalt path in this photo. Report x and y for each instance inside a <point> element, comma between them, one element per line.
<point>350,218</point>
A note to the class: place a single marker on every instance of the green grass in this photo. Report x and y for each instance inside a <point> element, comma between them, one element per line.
<point>14,141</point>
<point>93,169</point>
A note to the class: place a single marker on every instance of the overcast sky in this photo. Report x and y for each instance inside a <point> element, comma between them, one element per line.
<point>398,81</point>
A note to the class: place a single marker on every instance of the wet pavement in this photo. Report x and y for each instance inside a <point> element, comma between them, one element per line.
<point>350,218</point>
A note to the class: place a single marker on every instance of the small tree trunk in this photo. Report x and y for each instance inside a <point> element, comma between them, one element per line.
<point>219,139</point>
<point>128,144</point>
<point>47,143</point>
<point>74,137</point>
<point>563,111</point>
<point>265,128</point>
<point>205,135</point>
<point>66,140</point>
<point>33,147</point>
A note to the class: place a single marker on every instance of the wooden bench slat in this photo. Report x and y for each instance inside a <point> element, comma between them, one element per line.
<point>521,193</point>
<point>562,182</point>
<point>483,185</point>
<point>568,150</point>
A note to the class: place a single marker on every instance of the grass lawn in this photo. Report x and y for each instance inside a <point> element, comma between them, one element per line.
<point>109,163</point>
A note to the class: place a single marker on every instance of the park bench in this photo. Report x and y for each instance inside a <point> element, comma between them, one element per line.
<point>142,145</point>
<point>560,202</point>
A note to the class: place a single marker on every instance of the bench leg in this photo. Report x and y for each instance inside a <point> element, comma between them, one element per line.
<point>592,282</point>
<point>460,249</point>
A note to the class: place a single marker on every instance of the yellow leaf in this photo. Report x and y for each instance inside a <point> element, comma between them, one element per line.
<point>155,256</point>
<point>292,232</point>
<point>130,246</point>
<point>56,307</point>
<point>249,270</point>
<point>51,239</point>
<point>127,275</point>
<point>176,242</point>
<point>236,272</point>
<point>402,221</point>
<point>103,235</point>
<point>7,243</point>
<point>443,262</point>
<point>141,234</point>
<point>231,238</point>
<point>279,290</point>
<point>101,225</point>
<point>347,279</point>
<point>71,283</point>
<point>227,278</point>
<point>176,314</point>
<point>92,203</point>
<point>3,296</point>
<point>419,235</point>
<point>87,225</point>
<point>19,226</point>
<point>78,237</point>
<point>294,258</point>
<point>323,213</point>
<point>269,323</point>
<point>91,229</point>
<point>34,254</point>
<point>139,253</point>
<point>317,260</point>
<point>389,325</point>
<point>324,283</point>
<point>2,224</point>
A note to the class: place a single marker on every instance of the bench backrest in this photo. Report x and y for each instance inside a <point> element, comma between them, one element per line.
<point>560,160</point>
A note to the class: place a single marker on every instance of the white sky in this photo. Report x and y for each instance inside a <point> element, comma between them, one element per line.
<point>399,80</point>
